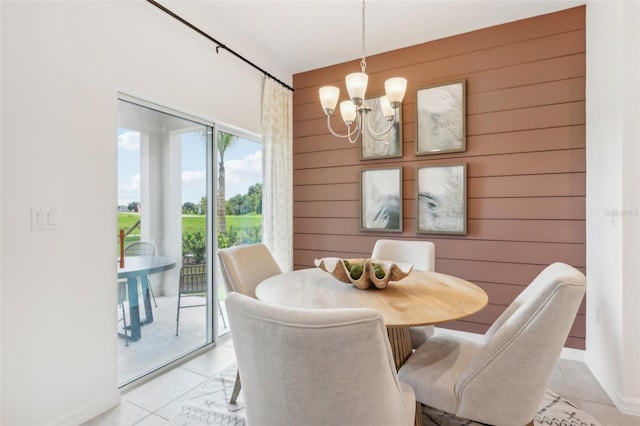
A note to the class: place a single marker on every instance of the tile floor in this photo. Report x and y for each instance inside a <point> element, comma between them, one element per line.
<point>155,402</point>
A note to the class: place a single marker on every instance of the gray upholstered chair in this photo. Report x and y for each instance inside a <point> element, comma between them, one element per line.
<point>316,366</point>
<point>422,255</point>
<point>243,268</point>
<point>501,380</point>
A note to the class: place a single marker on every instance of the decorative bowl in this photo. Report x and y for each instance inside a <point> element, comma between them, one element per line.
<point>340,269</point>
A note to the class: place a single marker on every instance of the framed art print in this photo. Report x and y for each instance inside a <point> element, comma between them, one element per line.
<point>441,199</point>
<point>388,146</point>
<point>381,199</point>
<point>441,118</point>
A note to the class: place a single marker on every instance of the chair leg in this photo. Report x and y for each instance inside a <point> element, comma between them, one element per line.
<point>418,417</point>
<point>224,321</point>
<point>153,296</point>
<point>124,320</point>
<point>236,389</point>
<point>178,315</point>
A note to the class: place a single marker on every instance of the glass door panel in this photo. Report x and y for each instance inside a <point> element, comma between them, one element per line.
<point>164,186</point>
<point>239,196</point>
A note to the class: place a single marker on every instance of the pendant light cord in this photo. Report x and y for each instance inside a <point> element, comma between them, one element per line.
<point>363,63</point>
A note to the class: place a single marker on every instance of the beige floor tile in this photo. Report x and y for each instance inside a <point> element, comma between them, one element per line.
<point>153,420</point>
<point>608,414</point>
<point>582,383</point>
<point>211,362</point>
<point>124,414</point>
<point>559,384</point>
<point>162,390</point>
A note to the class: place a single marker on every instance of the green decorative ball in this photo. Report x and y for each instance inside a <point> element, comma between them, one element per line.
<point>378,271</point>
<point>355,271</point>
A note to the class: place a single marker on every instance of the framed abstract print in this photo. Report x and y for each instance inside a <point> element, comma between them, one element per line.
<point>441,118</point>
<point>441,199</point>
<point>381,199</point>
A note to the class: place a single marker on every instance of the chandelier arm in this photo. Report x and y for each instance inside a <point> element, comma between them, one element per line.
<point>380,136</point>
<point>350,132</point>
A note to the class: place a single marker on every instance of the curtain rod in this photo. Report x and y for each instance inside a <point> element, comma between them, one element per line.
<point>219,45</point>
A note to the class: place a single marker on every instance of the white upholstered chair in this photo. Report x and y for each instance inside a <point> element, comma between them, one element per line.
<point>501,380</point>
<point>243,268</point>
<point>422,255</point>
<point>316,366</point>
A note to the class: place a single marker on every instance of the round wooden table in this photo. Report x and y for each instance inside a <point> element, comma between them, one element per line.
<point>422,298</point>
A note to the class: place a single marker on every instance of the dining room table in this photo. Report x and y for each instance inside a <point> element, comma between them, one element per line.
<point>137,269</point>
<point>421,298</point>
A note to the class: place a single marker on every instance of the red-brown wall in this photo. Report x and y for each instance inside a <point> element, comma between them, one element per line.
<point>525,85</point>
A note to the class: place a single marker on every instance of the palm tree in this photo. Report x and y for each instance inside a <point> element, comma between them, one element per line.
<point>225,140</point>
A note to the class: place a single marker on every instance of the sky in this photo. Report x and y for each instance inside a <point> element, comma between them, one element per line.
<point>243,165</point>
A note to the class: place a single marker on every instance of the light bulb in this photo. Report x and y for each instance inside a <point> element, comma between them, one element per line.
<point>395,89</point>
<point>329,98</point>
<point>387,109</point>
<point>357,86</point>
<point>348,112</point>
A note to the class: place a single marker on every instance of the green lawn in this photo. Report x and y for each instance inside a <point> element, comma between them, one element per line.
<point>190,223</point>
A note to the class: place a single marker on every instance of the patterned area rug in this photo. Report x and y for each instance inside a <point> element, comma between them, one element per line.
<point>209,403</point>
<point>554,411</point>
<point>209,406</point>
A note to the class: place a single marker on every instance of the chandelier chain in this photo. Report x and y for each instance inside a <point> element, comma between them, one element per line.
<point>363,63</point>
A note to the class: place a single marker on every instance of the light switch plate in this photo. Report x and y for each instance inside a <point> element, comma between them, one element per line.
<point>45,219</point>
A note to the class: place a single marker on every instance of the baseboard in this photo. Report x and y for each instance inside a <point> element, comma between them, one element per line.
<point>573,354</point>
<point>89,411</point>
<point>467,335</point>
<point>624,404</point>
<point>629,406</point>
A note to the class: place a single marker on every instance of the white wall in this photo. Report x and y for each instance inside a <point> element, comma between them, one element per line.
<point>613,200</point>
<point>62,66</point>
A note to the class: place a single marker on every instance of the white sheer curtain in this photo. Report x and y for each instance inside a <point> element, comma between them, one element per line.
<point>277,140</point>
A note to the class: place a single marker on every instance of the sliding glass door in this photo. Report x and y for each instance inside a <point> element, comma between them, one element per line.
<point>165,245</point>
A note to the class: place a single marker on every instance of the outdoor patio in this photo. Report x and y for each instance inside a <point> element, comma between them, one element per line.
<point>159,344</point>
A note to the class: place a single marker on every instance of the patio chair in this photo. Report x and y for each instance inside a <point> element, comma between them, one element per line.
<point>193,281</point>
<point>143,248</point>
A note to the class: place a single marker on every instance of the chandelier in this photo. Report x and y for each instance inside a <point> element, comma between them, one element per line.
<point>355,112</point>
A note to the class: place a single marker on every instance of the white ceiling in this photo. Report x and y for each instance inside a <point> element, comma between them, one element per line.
<point>302,35</point>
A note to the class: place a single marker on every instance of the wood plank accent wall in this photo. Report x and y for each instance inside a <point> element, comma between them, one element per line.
<point>525,157</point>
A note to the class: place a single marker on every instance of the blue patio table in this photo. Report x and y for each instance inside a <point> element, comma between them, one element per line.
<point>140,267</point>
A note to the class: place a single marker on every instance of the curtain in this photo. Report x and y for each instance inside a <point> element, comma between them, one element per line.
<point>277,146</point>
